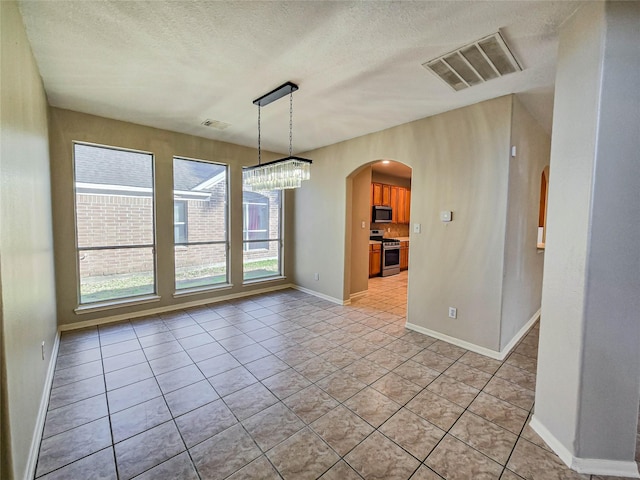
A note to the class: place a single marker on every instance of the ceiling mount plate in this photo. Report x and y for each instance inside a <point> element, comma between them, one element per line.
<point>275,94</point>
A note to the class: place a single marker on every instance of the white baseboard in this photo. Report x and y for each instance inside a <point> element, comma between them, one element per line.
<point>487,352</point>
<point>322,295</point>
<point>518,336</point>
<point>353,296</point>
<point>32,461</point>
<point>455,341</point>
<point>592,466</point>
<point>169,308</point>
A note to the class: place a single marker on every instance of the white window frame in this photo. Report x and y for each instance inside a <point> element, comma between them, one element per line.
<point>279,239</point>
<point>187,243</point>
<point>119,301</point>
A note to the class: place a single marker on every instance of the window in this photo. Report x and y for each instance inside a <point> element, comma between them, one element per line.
<point>180,221</point>
<point>200,223</point>
<point>255,221</point>
<point>115,235</point>
<point>261,234</point>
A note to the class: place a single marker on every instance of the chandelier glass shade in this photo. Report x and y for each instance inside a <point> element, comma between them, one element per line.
<point>280,174</point>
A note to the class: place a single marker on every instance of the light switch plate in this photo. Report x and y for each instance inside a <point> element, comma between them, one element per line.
<point>417,228</point>
<point>445,216</point>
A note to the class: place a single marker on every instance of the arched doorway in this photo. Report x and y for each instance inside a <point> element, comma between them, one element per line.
<point>383,183</point>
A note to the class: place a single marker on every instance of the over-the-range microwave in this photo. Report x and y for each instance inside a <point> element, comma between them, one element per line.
<point>381,214</point>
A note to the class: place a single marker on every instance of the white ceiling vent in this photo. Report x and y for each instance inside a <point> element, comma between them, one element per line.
<point>475,63</point>
<point>217,124</point>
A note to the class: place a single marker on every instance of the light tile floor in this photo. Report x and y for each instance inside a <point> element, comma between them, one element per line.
<point>287,385</point>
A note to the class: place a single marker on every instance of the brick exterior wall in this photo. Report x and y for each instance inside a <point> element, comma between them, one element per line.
<point>118,220</point>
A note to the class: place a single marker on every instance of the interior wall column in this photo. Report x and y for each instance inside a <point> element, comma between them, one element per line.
<point>588,384</point>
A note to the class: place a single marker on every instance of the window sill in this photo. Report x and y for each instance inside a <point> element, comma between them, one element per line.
<point>97,307</point>
<point>199,290</point>
<point>263,280</point>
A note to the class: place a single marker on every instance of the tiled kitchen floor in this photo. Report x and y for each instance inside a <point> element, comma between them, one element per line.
<point>287,385</point>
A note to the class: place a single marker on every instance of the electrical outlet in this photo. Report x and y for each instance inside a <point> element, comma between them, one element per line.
<point>453,312</point>
<point>316,276</point>
<point>43,349</point>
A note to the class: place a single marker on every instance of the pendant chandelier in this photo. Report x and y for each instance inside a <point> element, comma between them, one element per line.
<point>286,172</point>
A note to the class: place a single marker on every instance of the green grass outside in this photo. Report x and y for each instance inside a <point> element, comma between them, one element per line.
<point>114,287</point>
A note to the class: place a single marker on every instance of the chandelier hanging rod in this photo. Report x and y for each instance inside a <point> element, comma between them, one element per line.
<point>280,160</point>
<point>275,94</point>
<point>285,173</point>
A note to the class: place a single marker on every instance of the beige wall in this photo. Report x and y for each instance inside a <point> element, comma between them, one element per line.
<point>484,263</point>
<point>568,223</point>
<point>26,243</point>
<point>67,126</point>
<point>523,263</point>
<point>588,382</point>
<point>460,162</point>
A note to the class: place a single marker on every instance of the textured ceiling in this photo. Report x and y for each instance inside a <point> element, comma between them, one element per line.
<point>173,64</point>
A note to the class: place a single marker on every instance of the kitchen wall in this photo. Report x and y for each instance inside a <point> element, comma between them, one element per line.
<point>392,230</point>
<point>67,126</point>
<point>359,189</point>
<point>460,161</point>
<point>390,180</point>
<point>588,382</point>
<point>523,263</point>
<point>27,300</point>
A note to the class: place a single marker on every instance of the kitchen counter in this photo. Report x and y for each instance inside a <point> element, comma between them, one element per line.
<point>402,239</point>
<point>375,242</point>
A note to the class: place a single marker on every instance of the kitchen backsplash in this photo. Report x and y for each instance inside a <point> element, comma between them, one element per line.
<point>396,229</point>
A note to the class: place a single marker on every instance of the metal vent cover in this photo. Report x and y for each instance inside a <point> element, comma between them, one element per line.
<point>217,124</point>
<point>478,62</point>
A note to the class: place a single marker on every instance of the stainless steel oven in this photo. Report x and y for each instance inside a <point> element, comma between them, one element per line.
<point>390,257</point>
<point>390,261</point>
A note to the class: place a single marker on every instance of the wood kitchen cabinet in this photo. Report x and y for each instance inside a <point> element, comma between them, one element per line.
<point>393,203</point>
<point>375,260</point>
<point>398,198</point>
<point>376,194</point>
<point>402,205</point>
<point>386,195</point>
<point>404,255</point>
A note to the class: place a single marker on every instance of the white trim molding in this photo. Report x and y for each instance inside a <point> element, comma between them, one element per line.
<point>592,466</point>
<point>520,335</point>
<point>322,295</point>
<point>36,438</point>
<point>487,352</point>
<point>353,296</point>
<point>455,341</point>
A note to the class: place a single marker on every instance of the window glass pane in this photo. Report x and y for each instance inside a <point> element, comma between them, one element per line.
<point>200,265</point>
<point>262,263</point>
<point>201,188</point>
<point>180,221</point>
<point>114,197</point>
<point>114,212</point>
<point>200,223</point>
<point>261,221</point>
<point>115,273</point>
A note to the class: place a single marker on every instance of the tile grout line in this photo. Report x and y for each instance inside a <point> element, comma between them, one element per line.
<point>337,345</point>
